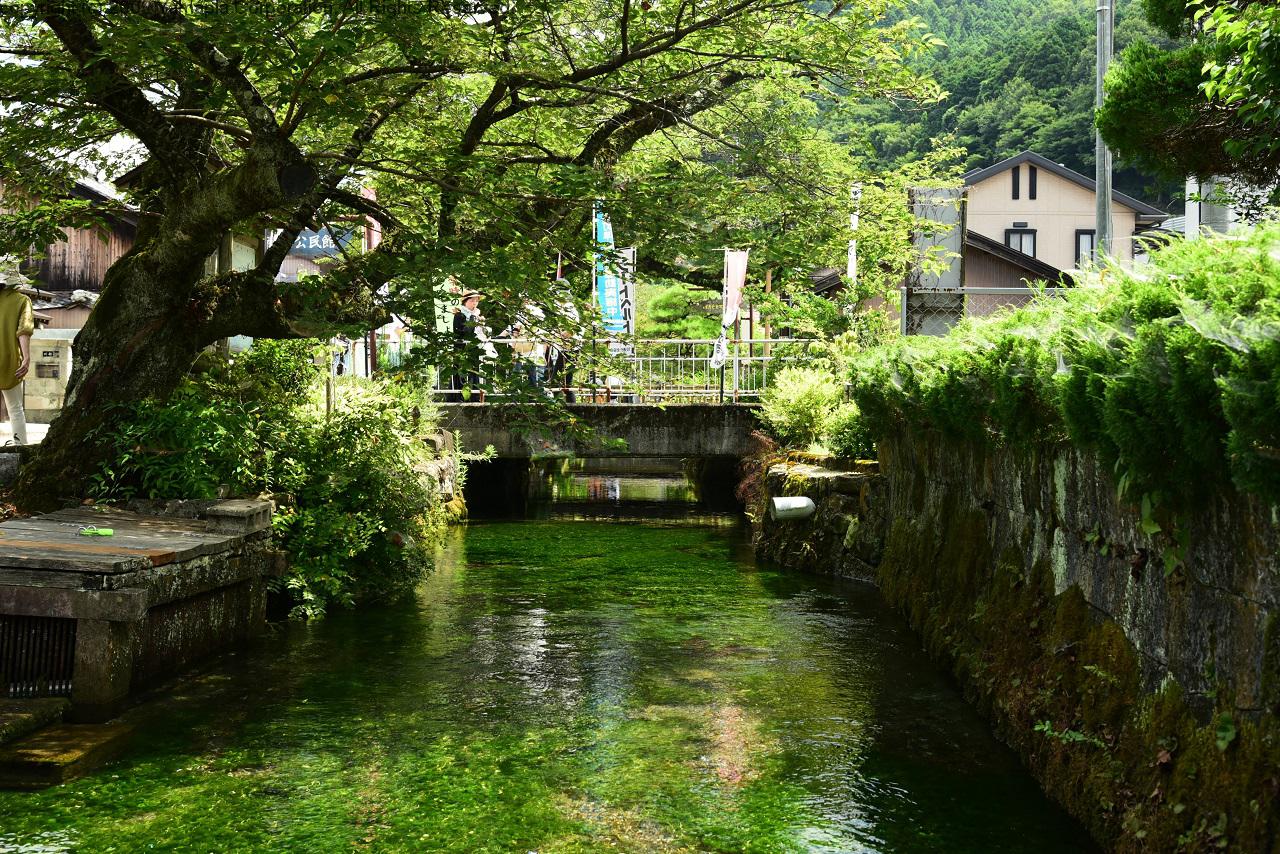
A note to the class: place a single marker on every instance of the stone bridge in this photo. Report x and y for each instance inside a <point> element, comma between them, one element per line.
<point>618,430</point>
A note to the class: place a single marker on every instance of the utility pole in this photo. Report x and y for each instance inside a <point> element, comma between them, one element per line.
<point>1102,154</point>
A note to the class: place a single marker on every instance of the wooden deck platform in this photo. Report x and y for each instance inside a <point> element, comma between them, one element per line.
<point>50,551</point>
<point>99,616</point>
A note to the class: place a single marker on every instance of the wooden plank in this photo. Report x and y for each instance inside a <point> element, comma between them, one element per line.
<point>122,528</point>
<point>124,518</point>
<point>65,548</point>
<point>183,545</point>
<point>36,555</point>
<point>123,522</point>
<point>53,542</point>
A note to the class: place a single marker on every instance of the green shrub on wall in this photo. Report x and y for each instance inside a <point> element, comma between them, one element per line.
<point>847,434</point>
<point>797,407</point>
<point>1172,372</point>
<point>353,516</point>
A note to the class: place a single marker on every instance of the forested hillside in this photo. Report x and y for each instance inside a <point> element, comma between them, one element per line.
<point>1019,74</point>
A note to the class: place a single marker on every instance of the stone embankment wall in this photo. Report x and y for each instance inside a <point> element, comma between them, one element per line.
<point>443,474</point>
<point>1142,691</point>
<point>844,537</point>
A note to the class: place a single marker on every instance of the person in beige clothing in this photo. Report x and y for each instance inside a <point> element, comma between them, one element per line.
<point>17,322</point>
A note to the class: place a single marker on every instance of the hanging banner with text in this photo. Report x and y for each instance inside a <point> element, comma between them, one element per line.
<point>609,285</point>
<point>735,279</point>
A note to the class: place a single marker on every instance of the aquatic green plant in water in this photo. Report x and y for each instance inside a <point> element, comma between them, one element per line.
<point>566,687</point>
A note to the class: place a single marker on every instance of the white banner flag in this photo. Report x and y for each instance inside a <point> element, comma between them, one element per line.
<point>627,293</point>
<point>735,278</point>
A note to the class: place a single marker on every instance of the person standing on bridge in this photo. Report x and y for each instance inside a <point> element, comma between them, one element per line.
<point>565,339</point>
<point>527,345</point>
<point>17,322</point>
<point>468,336</point>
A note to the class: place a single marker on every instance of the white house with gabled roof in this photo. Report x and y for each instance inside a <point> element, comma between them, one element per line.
<point>1044,210</point>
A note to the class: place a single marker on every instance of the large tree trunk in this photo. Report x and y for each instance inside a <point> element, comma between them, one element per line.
<point>138,342</point>
<point>157,312</point>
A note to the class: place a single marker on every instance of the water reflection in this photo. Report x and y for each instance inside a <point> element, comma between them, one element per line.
<point>585,496</point>
<point>614,489</point>
<point>561,686</point>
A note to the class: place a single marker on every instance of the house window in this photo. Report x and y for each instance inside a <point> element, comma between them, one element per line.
<point>1017,180</point>
<point>1086,245</point>
<point>1031,182</point>
<point>1021,239</point>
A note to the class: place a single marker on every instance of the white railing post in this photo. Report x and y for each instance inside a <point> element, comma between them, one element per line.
<point>679,370</point>
<point>736,346</point>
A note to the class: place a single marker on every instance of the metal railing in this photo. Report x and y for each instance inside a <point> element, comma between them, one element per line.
<point>928,311</point>
<point>666,370</point>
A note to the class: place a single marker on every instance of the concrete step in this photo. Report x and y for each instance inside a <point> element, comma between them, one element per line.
<point>60,753</point>
<point>19,717</point>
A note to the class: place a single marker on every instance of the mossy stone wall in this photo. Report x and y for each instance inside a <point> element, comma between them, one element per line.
<point>1143,693</point>
<point>846,534</point>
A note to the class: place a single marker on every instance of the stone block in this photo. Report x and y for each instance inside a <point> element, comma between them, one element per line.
<point>105,654</point>
<point>19,717</point>
<point>239,516</point>
<point>616,430</point>
<point>159,593</point>
<point>441,444</point>
<point>60,753</point>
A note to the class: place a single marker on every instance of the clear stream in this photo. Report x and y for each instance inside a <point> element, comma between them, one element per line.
<point>565,685</point>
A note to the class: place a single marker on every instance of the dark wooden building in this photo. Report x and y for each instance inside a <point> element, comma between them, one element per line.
<point>81,261</point>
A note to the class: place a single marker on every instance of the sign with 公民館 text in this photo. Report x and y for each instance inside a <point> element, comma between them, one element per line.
<point>322,243</point>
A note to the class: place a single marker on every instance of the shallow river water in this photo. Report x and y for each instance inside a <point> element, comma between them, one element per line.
<point>566,685</point>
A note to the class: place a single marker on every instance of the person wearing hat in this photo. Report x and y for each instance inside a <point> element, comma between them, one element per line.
<point>17,322</point>
<point>468,326</point>
<point>560,353</point>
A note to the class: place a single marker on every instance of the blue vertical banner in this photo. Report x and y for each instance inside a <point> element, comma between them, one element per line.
<point>608,282</point>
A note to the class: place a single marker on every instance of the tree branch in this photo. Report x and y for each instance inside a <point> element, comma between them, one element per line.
<point>260,118</point>
<point>326,187</point>
<point>107,85</point>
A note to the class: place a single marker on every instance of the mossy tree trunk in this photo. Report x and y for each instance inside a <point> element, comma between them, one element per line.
<point>159,309</point>
<point>226,100</point>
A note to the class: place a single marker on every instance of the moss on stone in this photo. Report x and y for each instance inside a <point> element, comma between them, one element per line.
<point>1271,665</point>
<point>1140,771</point>
<point>455,510</point>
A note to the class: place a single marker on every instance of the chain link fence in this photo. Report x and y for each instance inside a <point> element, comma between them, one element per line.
<point>934,311</point>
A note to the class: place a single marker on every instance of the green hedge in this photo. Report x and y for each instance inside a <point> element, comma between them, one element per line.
<point>354,518</point>
<point>1170,372</point>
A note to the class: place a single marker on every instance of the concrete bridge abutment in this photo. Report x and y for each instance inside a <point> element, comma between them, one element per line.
<point>518,431</point>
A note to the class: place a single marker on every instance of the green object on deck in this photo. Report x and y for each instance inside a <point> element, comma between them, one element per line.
<point>97,532</point>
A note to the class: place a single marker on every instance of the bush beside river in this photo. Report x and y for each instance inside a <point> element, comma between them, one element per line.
<point>354,516</point>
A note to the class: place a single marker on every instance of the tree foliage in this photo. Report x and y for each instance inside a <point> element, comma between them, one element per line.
<point>487,131</point>
<point>677,310</point>
<point>354,515</point>
<point>1211,107</point>
<point>1185,352</point>
<point>1019,74</point>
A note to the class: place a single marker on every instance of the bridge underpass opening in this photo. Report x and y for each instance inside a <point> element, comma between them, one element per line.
<point>602,487</point>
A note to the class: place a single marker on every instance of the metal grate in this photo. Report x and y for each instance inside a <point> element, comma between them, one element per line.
<point>935,311</point>
<point>37,656</point>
